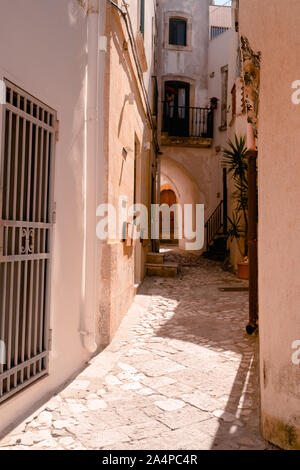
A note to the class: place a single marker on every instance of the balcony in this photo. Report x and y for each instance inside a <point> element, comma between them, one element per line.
<point>187,126</point>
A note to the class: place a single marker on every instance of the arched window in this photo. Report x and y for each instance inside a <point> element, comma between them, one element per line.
<point>178,32</point>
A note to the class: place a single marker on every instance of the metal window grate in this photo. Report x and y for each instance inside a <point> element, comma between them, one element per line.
<point>27,157</point>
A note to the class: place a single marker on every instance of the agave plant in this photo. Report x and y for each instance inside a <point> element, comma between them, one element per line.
<point>235,158</point>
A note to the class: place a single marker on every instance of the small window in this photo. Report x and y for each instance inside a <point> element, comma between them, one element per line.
<point>177,32</point>
<point>142,17</point>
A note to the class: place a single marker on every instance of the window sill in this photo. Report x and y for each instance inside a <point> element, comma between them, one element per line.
<point>173,47</point>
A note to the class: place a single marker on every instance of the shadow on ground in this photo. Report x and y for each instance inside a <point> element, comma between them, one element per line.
<point>224,355</point>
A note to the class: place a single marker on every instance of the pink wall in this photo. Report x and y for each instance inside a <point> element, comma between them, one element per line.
<point>273,26</point>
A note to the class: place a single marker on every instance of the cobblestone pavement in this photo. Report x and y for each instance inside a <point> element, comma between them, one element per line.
<point>180,374</point>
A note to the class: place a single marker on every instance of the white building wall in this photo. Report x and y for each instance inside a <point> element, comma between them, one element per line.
<point>218,57</point>
<point>43,49</point>
<point>190,63</point>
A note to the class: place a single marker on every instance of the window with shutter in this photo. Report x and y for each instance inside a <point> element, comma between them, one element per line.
<point>142,17</point>
<point>177,32</point>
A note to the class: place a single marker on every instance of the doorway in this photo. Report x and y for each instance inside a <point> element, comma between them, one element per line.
<point>168,197</point>
<point>176,111</point>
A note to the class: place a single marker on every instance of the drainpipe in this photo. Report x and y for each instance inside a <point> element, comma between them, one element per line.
<point>225,200</point>
<point>90,291</point>
<point>158,196</point>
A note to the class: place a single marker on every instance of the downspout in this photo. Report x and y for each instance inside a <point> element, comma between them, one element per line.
<point>90,301</point>
<point>158,176</point>
<point>126,17</point>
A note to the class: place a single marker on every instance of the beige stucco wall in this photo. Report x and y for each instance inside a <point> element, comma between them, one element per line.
<point>273,28</point>
<point>126,126</point>
<point>43,50</point>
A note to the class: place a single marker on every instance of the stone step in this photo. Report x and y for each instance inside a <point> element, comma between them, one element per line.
<point>169,242</point>
<point>162,270</point>
<point>155,258</point>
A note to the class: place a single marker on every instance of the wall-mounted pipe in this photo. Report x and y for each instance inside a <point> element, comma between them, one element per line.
<point>126,17</point>
<point>90,292</point>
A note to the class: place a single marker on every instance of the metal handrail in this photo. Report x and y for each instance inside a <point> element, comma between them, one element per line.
<point>214,224</point>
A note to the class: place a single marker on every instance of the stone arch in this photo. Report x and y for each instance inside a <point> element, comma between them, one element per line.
<point>166,183</point>
<point>183,184</point>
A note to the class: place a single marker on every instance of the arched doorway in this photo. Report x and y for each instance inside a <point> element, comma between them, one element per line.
<point>175,176</point>
<point>168,197</point>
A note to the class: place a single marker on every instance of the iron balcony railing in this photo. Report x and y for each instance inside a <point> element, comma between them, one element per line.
<point>188,121</point>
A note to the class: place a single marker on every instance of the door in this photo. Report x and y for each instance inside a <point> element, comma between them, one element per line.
<point>177,100</point>
<point>27,156</point>
<point>168,197</point>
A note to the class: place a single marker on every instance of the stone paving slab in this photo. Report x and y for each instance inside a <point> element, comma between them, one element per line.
<point>181,373</point>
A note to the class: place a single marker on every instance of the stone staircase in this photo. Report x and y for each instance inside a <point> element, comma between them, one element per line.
<point>156,266</point>
<point>217,247</point>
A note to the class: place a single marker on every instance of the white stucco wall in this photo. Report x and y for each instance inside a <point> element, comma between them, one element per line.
<point>223,51</point>
<point>43,50</point>
<point>191,63</point>
<point>218,57</point>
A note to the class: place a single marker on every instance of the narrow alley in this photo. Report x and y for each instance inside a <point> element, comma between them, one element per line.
<point>181,373</point>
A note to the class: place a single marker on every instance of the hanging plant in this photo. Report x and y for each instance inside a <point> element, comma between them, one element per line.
<point>214,103</point>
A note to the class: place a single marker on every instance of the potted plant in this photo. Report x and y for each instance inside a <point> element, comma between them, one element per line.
<point>214,103</point>
<point>235,158</point>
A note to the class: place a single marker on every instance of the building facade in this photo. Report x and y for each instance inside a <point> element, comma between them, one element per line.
<point>278,198</point>
<point>189,166</point>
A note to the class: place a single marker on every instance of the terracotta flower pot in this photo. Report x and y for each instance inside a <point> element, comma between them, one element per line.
<point>243,270</point>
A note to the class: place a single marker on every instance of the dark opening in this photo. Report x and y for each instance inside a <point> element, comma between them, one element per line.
<point>177,32</point>
<point>176,110</point>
